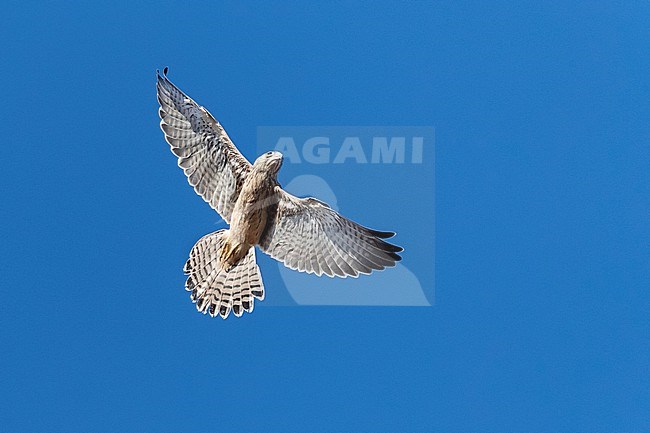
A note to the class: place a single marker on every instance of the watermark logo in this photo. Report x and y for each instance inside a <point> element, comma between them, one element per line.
<point>378,150</point>
<point>380,177</point>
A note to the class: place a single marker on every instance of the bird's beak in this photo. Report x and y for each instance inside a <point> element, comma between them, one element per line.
<point>277,158</point>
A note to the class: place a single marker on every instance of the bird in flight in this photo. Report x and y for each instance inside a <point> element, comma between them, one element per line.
<point>303,233</point>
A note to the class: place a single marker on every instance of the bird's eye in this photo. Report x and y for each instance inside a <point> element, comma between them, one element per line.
<point>269,153</point>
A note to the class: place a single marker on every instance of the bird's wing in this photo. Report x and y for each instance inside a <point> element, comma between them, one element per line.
<point>210,160</point>
<point>308,236</point>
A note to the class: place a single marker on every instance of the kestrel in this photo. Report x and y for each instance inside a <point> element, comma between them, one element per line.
<point>303,233</point>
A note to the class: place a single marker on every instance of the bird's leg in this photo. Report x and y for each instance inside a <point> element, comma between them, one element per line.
<point>231,252</point>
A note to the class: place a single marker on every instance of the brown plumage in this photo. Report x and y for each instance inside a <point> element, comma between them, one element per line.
<point>303,233</point>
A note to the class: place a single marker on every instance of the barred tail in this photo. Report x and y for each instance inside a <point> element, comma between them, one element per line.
<point>215,290</point>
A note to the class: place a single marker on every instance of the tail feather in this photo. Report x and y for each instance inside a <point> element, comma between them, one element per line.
<point>215,290</point>
<point>246,301</point>
<point>255,283</point>
<point>237,307</point>
<point>226,300</point>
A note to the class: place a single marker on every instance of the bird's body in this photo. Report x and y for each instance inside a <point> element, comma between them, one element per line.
<point>253,208</point>
<point>303,233</point>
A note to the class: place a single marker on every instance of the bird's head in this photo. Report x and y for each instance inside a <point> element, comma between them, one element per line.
<point>269,162</point>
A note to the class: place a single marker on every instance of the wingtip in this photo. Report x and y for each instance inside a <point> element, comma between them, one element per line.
<point>382,235</point>
<point>392,248</point>
<point>164,72</point>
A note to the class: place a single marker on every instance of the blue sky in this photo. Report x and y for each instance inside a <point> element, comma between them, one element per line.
<point>542,195</point>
